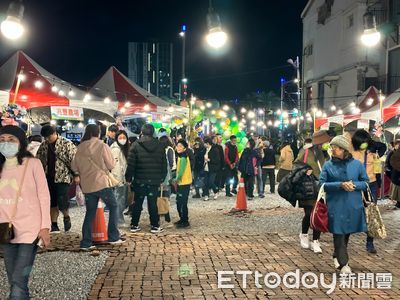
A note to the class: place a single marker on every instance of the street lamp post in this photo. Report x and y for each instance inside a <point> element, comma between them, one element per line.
<point>183,83</point>
<point>11,27</point>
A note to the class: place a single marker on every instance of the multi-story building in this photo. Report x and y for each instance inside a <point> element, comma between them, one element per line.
<point>336,66</point>
<point>150,66</point>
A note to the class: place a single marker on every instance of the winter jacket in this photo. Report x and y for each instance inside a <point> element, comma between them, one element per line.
<point>214,165</point>
<point>315,156</point>
<point>286,158</point>
<point>369,165</point>
<point>249,162</point>
<point>147,162</point>
<point>305,187</point>
<point>91,156</point>
<point>120,163</point>
<point>221,157</point>
<point>345,209</point>
<point>64,152</point>
<point>269,160</point>
<point>231,154</point>
<point>199,159</point>
<point>183,170</point>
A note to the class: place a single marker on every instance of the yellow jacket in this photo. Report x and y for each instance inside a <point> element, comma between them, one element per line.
<point>371,157</point>
<point>183,171</point>
<point>286,158</point>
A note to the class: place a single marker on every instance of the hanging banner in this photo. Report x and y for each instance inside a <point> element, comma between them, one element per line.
<point>336,119</point>
<point>67,113</point>
<point>325,126</point>
<point>363,124</point>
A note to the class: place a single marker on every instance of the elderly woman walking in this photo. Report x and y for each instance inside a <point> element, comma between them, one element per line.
<point>343,178</point>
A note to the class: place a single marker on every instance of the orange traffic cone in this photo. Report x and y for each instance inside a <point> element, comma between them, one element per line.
<point>99,229</point>
<point>241,201</point>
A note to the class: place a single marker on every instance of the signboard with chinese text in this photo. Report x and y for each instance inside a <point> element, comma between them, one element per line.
<point>67,113</point>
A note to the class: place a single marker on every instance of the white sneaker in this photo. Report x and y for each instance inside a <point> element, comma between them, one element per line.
<point>346,270</point>
<point>336,263</point>
<point>215,196</point>
<point>118,242</point>
<point>206,198</point>
<point>316,247</point>
<point>304,242</point>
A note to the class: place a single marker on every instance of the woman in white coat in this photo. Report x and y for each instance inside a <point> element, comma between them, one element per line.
<point>120,149</point>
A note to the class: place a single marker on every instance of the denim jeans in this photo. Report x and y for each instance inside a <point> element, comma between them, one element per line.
<point>209,183</point>
<point>142,191</point>
<point>18,260</point>
<point>231,180</point>
<point>92,200</point>
<point>182,196</point>
<point>121,195</point>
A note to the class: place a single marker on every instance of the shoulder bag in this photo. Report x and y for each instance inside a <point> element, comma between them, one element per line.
<point>319,214</point>
<point>376,227</point>
<point>112,181</point>
<point>162,203</point>
<point>7,229</point>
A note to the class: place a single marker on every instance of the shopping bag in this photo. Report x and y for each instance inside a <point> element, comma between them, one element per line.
<point>162,204</point>
<point>319,214</point>
<point>376,227</point>
<point>79,196</point>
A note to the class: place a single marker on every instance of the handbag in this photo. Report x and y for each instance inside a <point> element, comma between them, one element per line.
<point>112,181</point>
<point>162,203</point>
<point>7,229</point>
<point>319,214</point>
<point>79,196</point>
<point>376,227</point>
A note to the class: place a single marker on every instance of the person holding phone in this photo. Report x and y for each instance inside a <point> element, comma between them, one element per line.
<point>25,203</point>
<point>343,179</point>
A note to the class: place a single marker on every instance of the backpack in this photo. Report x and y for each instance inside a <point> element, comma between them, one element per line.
<point>246,163</point>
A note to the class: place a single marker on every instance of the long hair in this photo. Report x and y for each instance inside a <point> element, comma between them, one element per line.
<point>124,148</point>
<point>91,130</point>
<point>166,141</point>
<point>22,153</point>
<point>359,137</point>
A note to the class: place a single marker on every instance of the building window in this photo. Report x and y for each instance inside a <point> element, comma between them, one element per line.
<point>308,50</point>
<point>321,94</point>
<point>324,11</point>
<point>350,21</point>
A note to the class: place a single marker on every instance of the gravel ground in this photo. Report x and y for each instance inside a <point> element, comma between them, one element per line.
<point>268,215</point>
<point>60,275</point>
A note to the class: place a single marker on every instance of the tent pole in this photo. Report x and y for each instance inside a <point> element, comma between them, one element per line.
<point>17,86</point>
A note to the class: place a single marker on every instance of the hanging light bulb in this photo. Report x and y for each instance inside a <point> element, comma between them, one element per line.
<point>324,115</point>
<point>127,104</point>
<point>370,101</point>
<point>54,89</point>
<point>146,107</point>
<point>107,100</point>
<point>340,112</point>
<point>333,107</point>
<point>71,93</point>
<point>243,110</point>
<point>208,104</point>
<point>38,84</point>
<point>61,93</point>
<point>87,98</point>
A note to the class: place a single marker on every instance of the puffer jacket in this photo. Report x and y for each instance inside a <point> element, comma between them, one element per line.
<point>286,158</point>
<point>93,160</point>
<point>120,163</point>
<point>147,162</point>
<point>315,158</point>
<point>305,186</point>
<point>65,151</point>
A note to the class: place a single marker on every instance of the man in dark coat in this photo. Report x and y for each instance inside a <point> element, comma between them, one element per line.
<point>147,167</point>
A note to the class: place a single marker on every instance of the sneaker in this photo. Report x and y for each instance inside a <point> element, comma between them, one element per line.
<point>118,242</point>
<point>87,248</point>
<point>206,198</point>
<point>345,270</point>
<point>55,229</point>
<point>183,225</point>
<point>67,224</point>
<point>155,229</point>
<point>261,196</point>
<point>215,196</point>
<point>229,195</point>
<point>316,247</point>
<point>234,192</point>
<point>304,242</point>
<point>336,263</point>
<point>196,196</point>
<point>135,228</point>
<point>178,222</point>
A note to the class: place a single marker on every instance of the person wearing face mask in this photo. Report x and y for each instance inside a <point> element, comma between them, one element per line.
<point>362,143</point>
<point>119,150</point>
<point>343,179</point>
<point>25,203</point>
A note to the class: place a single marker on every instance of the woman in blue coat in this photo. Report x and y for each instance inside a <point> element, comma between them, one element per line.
<point>344,178</point>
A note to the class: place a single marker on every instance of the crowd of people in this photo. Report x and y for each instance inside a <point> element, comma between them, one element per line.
<point>123,172</point>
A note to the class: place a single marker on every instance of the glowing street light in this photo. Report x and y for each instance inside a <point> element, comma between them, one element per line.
<point>11,27</point>
<point>208,104</point>
<point>216,37</point>
<point>371,36</point>
<point>243,110</point>
<point>251,115</point>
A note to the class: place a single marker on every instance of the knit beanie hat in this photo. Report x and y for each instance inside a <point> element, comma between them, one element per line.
<point>341,142</point>
<point>15,131</point>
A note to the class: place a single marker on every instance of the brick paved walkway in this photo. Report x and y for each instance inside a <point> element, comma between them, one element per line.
<point>185,266</point>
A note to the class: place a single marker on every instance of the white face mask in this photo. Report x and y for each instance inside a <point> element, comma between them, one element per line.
<point>9,149</point>
<point>122,141</point>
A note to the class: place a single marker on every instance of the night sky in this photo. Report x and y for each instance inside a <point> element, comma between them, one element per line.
<point>79,40</point>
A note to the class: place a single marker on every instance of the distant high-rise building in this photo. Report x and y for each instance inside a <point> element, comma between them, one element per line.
<point>150,66</point>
